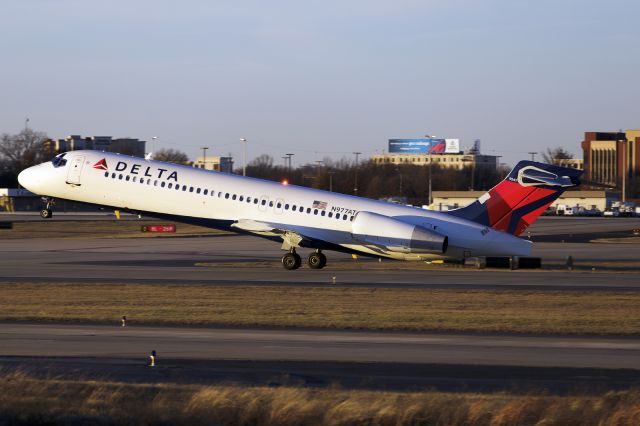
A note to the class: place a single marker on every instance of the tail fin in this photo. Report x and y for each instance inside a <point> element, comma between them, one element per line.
<point>517,201</point>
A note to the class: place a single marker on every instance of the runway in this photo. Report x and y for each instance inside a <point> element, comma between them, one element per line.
<point>234,260</point>
<point>369,359</point>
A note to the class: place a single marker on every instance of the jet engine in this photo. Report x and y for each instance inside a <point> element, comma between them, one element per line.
<point>395,235</point>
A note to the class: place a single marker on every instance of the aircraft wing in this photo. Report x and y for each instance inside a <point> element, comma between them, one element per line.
<point>291,235</point>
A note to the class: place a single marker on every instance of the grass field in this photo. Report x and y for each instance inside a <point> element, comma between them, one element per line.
<point>327,307</point>
<point>27,400</point>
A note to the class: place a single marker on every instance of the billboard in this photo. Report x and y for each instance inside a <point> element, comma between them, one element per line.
<point>452,146</point>
<point>424,146</point>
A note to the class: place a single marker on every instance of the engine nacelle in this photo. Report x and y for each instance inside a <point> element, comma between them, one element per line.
<point>395,235</point>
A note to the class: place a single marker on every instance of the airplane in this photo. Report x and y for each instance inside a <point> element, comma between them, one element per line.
<point>304,217</point>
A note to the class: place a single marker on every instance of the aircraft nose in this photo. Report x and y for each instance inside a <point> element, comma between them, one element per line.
<point>29,179</point>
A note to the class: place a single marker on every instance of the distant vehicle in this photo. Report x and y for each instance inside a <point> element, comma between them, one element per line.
<point>593,212</point>
<point>612,212</point>
<point>304,217</point>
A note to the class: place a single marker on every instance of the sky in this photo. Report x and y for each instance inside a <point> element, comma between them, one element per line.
<point>321,78</point>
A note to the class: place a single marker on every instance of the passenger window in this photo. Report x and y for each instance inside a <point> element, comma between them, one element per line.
<point>286,206</point>
<point>127,178</point>
<point>197,190</point>
<point>315,211</point>
<point>308,210</point>
<point>155,183</point>
<point>226,196</point>
<point>338,216</point>
<point>322,213</point>
<point>344,217</point>
<point>205,192</point>
<point>120,177</point>
<point>264,202</point>
<point>241,198</point>
<point>330,214</point>
<point>134,178</point>
<point>106,174</point>
<point>113,175</point>
<point>279,205</point>
<point>353,217</point>
<point>234,197</point>
<point>148,181</point>
<point>301,209</point>
<point>162,184</point>
<point>142,181</point>
<point>248,199</point>
<point>184,187</point>
<point>191,189</point>
<point>270,203</point>
<point>170,185</point>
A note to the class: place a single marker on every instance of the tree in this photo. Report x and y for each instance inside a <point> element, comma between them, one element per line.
<point>17,152</point>
<point>172,156</point>
<point>555,154</point>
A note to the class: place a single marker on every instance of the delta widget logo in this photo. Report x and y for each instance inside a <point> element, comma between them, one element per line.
<point>101,165</point>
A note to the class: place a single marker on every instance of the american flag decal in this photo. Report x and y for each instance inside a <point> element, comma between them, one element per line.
<point>319,205</point>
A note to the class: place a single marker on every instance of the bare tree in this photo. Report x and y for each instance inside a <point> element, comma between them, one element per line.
<point>172,156</point>
<point>17,152</point>
<point>559,153</point>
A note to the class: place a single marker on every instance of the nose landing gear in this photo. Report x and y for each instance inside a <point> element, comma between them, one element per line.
<point>47,212</point>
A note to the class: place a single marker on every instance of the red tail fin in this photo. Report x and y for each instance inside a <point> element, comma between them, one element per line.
<point>516,202</point>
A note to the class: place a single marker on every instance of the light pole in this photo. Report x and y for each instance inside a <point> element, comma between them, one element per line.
<point>204,156</point>
<point>355,186</point>
<point>289,164</point>
<point>331,181</point>
<point>429,198</point>
<point>244,156</point>
<point>624,170</point>
<point>533,155</point>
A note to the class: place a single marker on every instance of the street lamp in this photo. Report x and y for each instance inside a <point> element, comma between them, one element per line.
<point>204,156</point>
<point>244,156</point>
<point>533,155</point>
<point>331,181</point>
<point>289,164</point>
<point>355,186</point>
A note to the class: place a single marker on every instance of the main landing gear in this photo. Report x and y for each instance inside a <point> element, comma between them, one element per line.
<point>47,212</point>
<point>292,260</point>
<point>317,260</point>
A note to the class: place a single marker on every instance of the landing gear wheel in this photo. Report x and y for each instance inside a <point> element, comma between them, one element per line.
<point>46,213</point>
<point>291,261</point>
<point>317,260</point>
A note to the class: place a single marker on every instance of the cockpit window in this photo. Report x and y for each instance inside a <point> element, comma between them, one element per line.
<point>59,160</point>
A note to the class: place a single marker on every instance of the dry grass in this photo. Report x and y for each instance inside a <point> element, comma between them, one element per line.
<point>97,229</point>
<point>327,307</point>
<point>27,400</point>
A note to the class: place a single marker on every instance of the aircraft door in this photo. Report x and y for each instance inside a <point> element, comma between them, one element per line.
<point>75,170</point>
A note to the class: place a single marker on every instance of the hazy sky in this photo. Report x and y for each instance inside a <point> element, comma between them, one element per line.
<point>321,78</point>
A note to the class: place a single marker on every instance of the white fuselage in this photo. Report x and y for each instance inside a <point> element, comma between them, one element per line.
<point>220,200</point>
